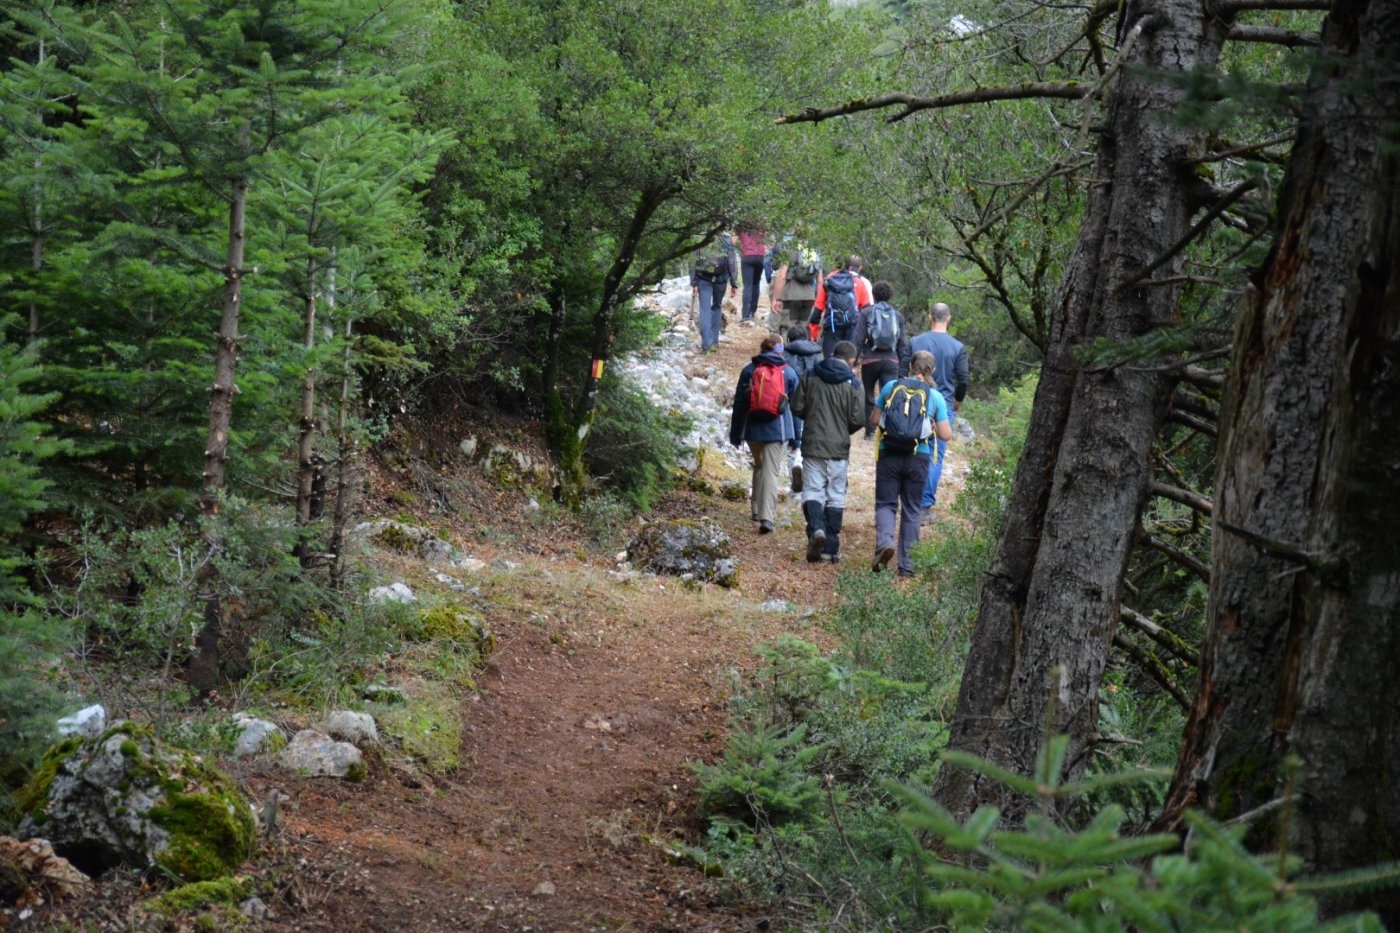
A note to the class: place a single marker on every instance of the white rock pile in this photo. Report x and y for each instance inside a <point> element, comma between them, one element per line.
<point>676,378</point>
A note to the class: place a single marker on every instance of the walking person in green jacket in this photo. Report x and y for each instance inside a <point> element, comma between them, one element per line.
<point>832,404</point>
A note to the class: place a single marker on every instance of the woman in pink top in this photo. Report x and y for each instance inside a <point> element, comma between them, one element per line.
<point>753,246</point>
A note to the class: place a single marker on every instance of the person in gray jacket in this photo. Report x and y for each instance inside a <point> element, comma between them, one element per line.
<point>831,403</point>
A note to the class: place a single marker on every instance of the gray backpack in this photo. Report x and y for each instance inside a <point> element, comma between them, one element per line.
<point>882,326</point>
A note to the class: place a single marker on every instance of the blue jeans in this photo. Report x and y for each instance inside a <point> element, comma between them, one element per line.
<point>935,472</point>
<point>711,310</point>
<point>751,267</point>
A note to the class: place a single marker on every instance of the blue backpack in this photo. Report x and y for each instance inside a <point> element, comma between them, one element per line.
<point>840,300</point>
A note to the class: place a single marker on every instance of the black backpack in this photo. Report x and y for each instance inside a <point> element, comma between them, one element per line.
<point>710,264</point>
<point>840,300</point>
<point>905,421</point>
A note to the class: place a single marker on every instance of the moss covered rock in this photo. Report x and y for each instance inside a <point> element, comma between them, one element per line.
<point>125,798</point>
<point>695,550</point>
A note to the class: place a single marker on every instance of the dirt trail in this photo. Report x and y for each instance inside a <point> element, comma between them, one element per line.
<point>575,762</point>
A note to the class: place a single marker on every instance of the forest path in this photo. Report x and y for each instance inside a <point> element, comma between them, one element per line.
<point>575,762</point>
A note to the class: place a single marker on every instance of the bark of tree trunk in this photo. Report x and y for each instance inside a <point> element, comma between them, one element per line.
<point>1051,602</point>
<point>204,669</point>
<point>1303,651</point>
<point>306,431</point>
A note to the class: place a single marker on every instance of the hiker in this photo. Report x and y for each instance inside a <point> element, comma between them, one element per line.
<point>909,413</point>
<point>832,407</point>
<point>951,379</point>
<point>762,417</point>
<point>840,296</point>
<point>753,248</point>
<point>802,355</point>
<point>712,270</point>
<point>883,342</point>
<point>795,286</point>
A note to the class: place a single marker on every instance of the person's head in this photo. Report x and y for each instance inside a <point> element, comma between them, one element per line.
<point>855,263</point>
<point>844,350</point>
<point>795,333</point>
<point>922,366</point>
<point>940,315</point>
<point>770,343</point>
<point>882,291</point>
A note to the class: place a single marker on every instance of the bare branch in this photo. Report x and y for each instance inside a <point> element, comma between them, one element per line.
<point>1220,206</point>
<point>1184,496</point>
<point>1274,36</point>
<point>1198,425</point>
<point>1177,646</point>
<point>1229,7</point>
<point>1174,553</point>
<point>1243,149</point>
<point>1065,90</point>
<point>1211,379</point>
<point>1331,568</point>
<point>1152,667</point>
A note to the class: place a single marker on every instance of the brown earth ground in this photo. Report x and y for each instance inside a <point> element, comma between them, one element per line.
<point>575,777</point>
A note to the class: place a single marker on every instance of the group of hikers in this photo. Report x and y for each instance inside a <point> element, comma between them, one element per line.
<point>840,361</point>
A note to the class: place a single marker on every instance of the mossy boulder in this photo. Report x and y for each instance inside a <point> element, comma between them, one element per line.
<point>126,798</point>
<point>457,624</point>
<point>405,539</point>
<point>693,549</point>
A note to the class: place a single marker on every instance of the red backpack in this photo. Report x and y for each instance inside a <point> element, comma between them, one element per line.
<point>767,396</point>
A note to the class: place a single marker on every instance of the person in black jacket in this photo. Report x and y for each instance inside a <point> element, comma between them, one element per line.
<point>884,357</point>
<point>832,407</point>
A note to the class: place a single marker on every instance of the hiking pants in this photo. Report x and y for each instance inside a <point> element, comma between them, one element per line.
<point>935,472</point>
<point>830,338</point>
<point>874,375</point>
<point>769,462</point>
<point>711,310</point>
<point>899,486</point>
<point>824,481</point>
<point>793,313</point>
<point>752,269</point>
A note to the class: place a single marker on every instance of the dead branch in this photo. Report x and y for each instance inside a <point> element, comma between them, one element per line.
<point>1168,640</point>
<point>1272,35</point>
<point>1239,6</point>
<point>1243,149</point>
<point>1061,90</point>
<point>1220,206</point>
<point>1210,379</point>
<point>1174,553</point>
<point>1152,667</point>
<point>1330,568</point>
<point>1196,424</point>
<point>1184,496</point>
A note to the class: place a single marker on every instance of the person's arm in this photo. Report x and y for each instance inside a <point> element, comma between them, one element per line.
<point>862,293</point>
<point>879,408</point>
<point>798,402</point>
<point>902,348</point>
<point>960,379</point>
<point>855,410</point>
<point>740,414</point>
<point>792,385</point>
<point>776,290</point>
<point>858,334</point>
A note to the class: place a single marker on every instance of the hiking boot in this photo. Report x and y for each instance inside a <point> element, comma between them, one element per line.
<point>815,545</point>
<point>831,558</point>
<point>905,574</point>
<point>765,527</point>
<point>926,515</point>
<point>882,557</point>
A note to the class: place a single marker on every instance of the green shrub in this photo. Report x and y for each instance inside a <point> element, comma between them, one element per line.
<point>633,443</point>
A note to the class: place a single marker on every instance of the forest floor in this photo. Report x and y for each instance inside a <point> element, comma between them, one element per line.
<point>575,779</point>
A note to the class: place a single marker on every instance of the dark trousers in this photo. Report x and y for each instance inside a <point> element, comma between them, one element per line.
<point>899,486</point>
<point>751,267</point>
<point>873,375</point>
<point>830,338</point>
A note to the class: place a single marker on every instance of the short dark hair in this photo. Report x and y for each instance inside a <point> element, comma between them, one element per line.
<point>796,332</point>
<point>855,262</point>
<point>882,291</point>
<point>844,349</point>
<point>769,342</point>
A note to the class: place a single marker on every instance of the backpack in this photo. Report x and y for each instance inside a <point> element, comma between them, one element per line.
<point>840,300</point>
<point>767,392</point>
<point>905,419</point>
<point>804,273</point>
<point>882,326</point>
<point>710,264</point>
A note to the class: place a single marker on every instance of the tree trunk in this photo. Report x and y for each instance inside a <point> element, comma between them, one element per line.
<point>1303,651</point>
<point>204,669</point>
<point>306,431</point>
<point>1050,605</point>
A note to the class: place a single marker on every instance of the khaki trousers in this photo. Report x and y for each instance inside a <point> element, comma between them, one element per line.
<point>769,459</point>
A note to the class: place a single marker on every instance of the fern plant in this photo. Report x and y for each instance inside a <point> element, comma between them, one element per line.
<point>1045,876</point>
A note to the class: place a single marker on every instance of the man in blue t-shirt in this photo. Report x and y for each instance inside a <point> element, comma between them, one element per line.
<point>951,379</point>
<point>900,476</point>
